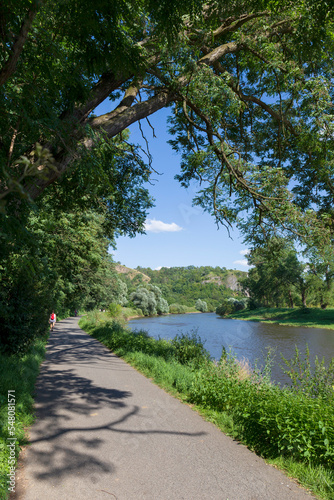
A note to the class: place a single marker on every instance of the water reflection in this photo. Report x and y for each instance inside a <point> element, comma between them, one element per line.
<point>246,339</point>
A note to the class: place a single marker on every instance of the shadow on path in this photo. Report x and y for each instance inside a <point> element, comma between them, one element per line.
<point>79,409</point>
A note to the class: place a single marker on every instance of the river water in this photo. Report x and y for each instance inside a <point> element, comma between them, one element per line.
<point>246,339</point>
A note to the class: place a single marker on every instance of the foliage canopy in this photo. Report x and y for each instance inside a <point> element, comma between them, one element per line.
<point>249,85</point>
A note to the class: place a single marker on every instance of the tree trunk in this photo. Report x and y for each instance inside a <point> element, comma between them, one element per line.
<point>291,300</point>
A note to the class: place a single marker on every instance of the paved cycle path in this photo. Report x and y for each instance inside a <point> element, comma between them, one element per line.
<point>105,431</point>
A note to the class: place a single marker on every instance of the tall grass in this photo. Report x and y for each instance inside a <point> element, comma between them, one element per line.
<point>291,427</point>
<point>17,373</point>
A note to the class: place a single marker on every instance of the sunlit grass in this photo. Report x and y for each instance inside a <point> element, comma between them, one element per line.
<point>308,317</point>
<point>17,373</point>
<point>319,480</point>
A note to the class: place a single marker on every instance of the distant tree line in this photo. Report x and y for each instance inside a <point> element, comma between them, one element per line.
<point>185,285</point>
<point>280,277</point>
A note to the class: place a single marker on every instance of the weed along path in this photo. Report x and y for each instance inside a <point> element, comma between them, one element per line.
<point>104,431</point>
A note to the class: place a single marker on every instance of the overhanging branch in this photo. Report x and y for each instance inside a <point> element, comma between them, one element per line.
<point>10,65</point>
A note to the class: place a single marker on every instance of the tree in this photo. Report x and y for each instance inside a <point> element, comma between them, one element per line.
<point>122,293</point>
<point>249,84</point>
<point>231,305</point>
<point>58,261</point>
<point>319,278</point>
<point>149,300</point>
<point>201,305</point>
<point>276,273</point>
<point>54,253</point>
<point>225,308</point>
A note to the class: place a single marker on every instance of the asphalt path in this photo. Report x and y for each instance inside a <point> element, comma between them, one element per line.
<point>105,431</point>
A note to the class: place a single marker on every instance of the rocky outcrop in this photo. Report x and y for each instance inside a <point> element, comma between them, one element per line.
<point>231,281</point>
<point>131,273</point>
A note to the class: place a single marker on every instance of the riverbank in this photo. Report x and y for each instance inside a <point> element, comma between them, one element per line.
<point>308,317</point>
<point>129,313</point>
<point>282,425</point>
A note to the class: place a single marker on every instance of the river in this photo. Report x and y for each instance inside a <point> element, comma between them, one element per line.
<point>246,339</point>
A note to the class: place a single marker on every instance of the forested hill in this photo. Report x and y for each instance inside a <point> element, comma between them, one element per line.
<point>184,285</point>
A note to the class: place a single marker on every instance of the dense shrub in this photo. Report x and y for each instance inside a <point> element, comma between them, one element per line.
<point>121,341</point>
<point>189,349</point>
<point>314,380</point>
<point>201,305</point>
<point>225,308</point>
<point>23,312</point>
<point>273,421</point>
<point>114,310</point>
<point>177,309</point>
<point>231,305</point>
<point>149,299</point>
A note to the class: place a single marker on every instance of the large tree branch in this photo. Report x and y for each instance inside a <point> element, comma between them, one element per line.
<point>113,125</point>
<point>236,24</point>
<point>270,111</point>
<point>124,115</point>
<point>221,51</point>
<point>107,84</point>
<point>127,101</point>
<point>109,123</point>
<point>230,25</point>
<point>10,65</point>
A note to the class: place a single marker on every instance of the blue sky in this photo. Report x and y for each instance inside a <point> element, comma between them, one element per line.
<point>177,234</point>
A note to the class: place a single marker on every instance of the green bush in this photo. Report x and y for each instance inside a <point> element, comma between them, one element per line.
<point>225,308</point>
<point>189,349</point>
<point>177,309</point>
<point>314,380</point>
<point>114,310</point>
<point>201,305</point>
<point>123,341</point>
<point>271,420</point>
<point>231,305</point>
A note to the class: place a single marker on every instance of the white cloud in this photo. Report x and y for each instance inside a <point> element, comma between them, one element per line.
<point>160,267</point>
<point>157,226</point>
<point>242,262</point>
<point>244,252</point>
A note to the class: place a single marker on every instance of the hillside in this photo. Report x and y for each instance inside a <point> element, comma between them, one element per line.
<point>184,285</point>
<point>131,274</point>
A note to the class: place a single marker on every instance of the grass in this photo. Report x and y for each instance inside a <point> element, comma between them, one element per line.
<point>130,312</point>
<point>17,373</point>
<point>290,430</point>
<point>307,317</point>
<point>126,314</point>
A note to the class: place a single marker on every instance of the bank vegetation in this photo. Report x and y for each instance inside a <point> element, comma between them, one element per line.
<point>292,427</point>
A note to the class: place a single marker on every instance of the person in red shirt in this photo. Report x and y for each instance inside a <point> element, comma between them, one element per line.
<point>52,320</point>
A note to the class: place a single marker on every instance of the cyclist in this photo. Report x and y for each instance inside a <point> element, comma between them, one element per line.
<point>52,320</point>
